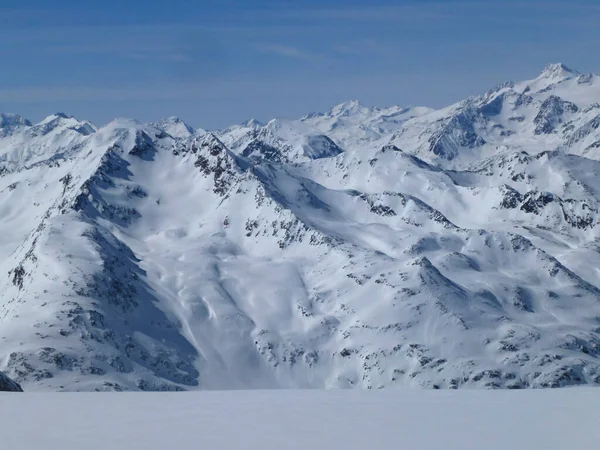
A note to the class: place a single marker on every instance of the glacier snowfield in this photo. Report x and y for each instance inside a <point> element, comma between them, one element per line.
<point>362,247</point>
<point>320,420</point>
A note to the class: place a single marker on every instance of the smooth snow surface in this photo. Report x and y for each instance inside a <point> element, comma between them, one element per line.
<point>299,420</point>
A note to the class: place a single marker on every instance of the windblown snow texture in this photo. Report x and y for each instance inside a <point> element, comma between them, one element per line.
<point>361,247</point>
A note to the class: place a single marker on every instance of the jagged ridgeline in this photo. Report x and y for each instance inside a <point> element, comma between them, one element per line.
<point>361,247</point>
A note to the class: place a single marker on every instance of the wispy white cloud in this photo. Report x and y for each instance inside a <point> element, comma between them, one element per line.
<point>365,47</point>
<point>127,92</point>
<point>287,51</point>
<point>19,13</point>
<point>51,94</point>
<point>128,50</point>
<point>407,11</point>
<point>411,11</point>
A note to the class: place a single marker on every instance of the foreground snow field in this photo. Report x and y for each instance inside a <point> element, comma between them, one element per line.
<point>315,420</point>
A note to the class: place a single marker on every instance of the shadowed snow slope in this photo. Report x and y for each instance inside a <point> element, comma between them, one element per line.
<point>362,247</point>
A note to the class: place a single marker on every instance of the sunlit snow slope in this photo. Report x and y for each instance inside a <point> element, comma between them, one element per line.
<point>362,247</point>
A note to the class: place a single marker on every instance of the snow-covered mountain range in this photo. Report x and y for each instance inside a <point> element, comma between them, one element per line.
<point>361,247</point>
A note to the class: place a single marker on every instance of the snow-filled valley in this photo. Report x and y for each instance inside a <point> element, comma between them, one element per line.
<point>321,420</point>
<point>361,247</point>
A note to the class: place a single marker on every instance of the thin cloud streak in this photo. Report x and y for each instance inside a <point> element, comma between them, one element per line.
<point>433,10</point>
<point>68,33</point>
<point>371,14</point>
<point>286,51</point>
<point>128,50</point>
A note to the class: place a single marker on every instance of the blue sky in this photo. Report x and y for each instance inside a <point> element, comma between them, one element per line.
<point>214,63</point>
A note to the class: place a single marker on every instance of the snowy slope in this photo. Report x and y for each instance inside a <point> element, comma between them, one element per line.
<point>362,247</point>
<point>354,125</point>
<point>319,420</point>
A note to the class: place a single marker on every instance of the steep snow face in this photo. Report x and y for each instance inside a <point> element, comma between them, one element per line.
<point>362,247</point>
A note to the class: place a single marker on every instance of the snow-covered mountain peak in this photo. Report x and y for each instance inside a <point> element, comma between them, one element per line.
<point>354,110</point>
<point>351,123</point>
<point>175,127</point>
<point>558,71</point>
<point>125,123</point>
<point>9,120</point>
<point>559,80</point>
<point>346,108</point>
<point>123,126</point>
<point>23,143</point>
<point>133,137</point>
<point>55,116</point>
<point>296,140</point>
<point>252,123</point>
<point>59,122</point>
<point>10,123</point>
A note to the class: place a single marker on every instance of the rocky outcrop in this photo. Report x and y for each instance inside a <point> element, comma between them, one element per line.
<point>8,385</point>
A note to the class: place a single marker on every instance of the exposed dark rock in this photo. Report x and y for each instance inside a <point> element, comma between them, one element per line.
<point>551,114</point>
<point>8,385</point>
